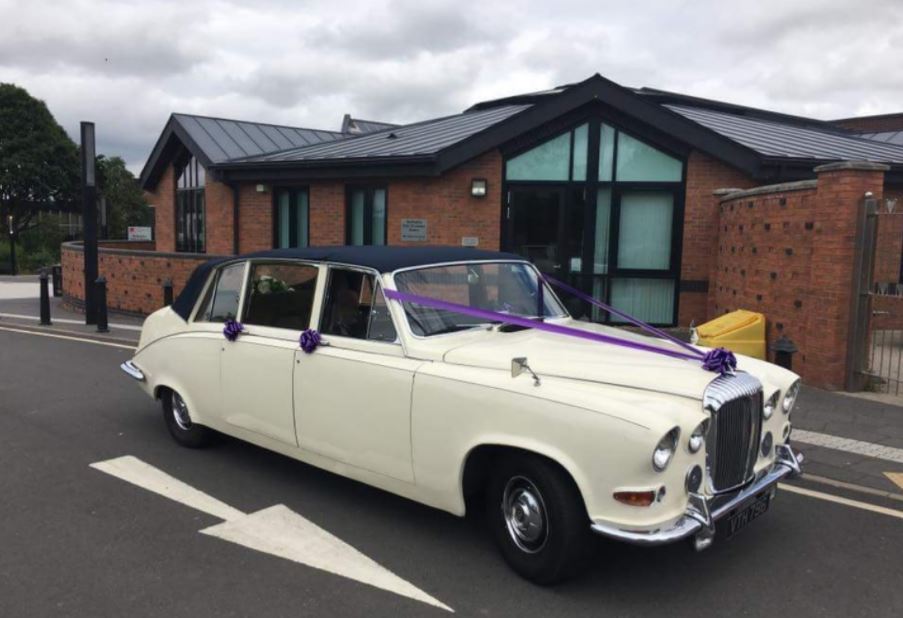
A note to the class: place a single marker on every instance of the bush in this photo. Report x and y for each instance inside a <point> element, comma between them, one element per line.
<point>37,248</point>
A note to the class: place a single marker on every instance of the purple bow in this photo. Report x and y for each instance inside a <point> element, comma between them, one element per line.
<point>232,329</point>
<point>720,360</point>
<point>309,340</point>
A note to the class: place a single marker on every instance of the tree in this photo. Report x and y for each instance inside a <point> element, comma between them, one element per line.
<point>125,201</point>
<point>38,162</point>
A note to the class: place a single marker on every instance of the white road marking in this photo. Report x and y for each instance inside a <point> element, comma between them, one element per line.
<point>280,531</point>
<point>276,530</point>
<point>22,316</point>
<point>857,447</point>
<point>134,471</point>
<point>56,336</point>
<point>865,506</point>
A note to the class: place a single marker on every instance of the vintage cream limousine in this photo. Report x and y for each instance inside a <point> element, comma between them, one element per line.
<point>558,436</point>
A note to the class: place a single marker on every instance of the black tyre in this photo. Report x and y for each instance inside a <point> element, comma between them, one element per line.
<point>538,519</point>
<point>178,420</point>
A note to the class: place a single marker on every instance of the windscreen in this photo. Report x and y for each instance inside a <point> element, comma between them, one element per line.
<point>504,287</point>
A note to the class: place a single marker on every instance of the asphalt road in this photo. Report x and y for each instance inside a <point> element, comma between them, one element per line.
<point>77,542</point>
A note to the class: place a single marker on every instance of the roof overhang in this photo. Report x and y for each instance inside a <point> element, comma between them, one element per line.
<point>172,140</point>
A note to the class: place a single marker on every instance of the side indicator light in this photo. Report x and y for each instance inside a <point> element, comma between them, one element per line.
<point>635,498</point>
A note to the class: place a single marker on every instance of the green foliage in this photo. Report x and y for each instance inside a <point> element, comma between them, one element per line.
<point>125,201</point>
<point>38,161</point>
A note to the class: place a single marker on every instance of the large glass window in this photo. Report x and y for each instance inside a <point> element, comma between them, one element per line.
<point>355,307</point>
<point>606,220</point>
<point>190,211</point>
<point>292,218</point>
<point>221,300</point>
<point>281,295</point>
<point>365,216</point>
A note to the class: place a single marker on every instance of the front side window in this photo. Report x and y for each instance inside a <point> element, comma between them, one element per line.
<point>505,287</point>
<point>292,218</point>
<point>221,301</point>
<point>355,307</point>
<point>280,295</point>
<point>190,209</point>
<point>365,216</point>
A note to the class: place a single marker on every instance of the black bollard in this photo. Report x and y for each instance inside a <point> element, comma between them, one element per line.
<point>784,349</point>
<point>167,292</point>
<point>56,273</point>
<point>45,300</point>
<point>100,292</point>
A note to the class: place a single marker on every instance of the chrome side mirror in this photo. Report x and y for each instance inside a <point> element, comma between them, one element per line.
<point>519,365</point>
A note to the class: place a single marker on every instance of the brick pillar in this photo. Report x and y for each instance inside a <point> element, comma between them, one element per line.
<point>839,198</point>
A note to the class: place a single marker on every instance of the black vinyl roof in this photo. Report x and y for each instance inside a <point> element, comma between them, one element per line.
<point>381,258</point>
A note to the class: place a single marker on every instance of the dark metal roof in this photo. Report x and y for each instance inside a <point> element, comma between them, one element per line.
<point>223,140</point>
<point>381,258</point>
<point>422,138</point>
<point>784,140</point>
<point>887,137</point>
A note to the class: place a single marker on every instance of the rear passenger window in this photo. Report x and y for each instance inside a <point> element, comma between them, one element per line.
<point>354,309</point>
<point>221,303</point>
<point>281,295</point>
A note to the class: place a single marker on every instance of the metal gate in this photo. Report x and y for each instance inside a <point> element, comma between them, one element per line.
<point>878,333</point>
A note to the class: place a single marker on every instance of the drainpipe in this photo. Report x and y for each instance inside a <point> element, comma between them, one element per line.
<point>235,217</point>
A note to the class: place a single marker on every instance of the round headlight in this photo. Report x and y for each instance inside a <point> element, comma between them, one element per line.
<point>697,438</point>
<point>790,397</point>
<point>767,443</point>
<point>770,405</point>
<point>664,450</point>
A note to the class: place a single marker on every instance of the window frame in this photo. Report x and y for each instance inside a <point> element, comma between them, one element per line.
<point>355,342</point>
<point>369,190</point>
<point>210,286</point>
<point>591,185</point>
<point>196,195</point>
<point>278,331</point>
<point>294,191</point>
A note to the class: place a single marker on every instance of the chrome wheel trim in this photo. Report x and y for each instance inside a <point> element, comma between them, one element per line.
<point>525,514</point>
<point>180,412</point>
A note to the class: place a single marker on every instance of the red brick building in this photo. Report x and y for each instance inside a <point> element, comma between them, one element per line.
<point>620,191</point>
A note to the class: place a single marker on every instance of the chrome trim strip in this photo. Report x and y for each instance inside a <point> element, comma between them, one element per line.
<point>132,370</point>
<point>698,519</point>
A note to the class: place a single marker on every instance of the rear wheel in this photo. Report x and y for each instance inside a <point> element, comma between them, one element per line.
<point>538,519</point>
<point>178,420</point>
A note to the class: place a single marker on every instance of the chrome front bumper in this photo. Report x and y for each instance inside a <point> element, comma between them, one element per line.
<point>132,370</point>
<point>699,520</point>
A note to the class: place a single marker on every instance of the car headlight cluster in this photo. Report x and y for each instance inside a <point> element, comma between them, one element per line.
<point>790,397</point>
<point>697,438</point>
<point>770,405</point>
<point>664,450</point>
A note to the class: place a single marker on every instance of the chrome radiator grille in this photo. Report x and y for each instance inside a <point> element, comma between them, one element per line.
<point>735,403</point>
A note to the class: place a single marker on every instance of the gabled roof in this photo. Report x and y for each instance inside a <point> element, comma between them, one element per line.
<point>216,140</point>
<point>791,140</point>
<point>357,126</point>
<point>419,139</point>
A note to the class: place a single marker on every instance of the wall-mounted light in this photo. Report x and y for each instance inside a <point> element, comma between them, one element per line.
<point>262,188</point>
<point>478,187</point>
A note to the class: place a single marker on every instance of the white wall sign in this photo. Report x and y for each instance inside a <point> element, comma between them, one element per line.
<point>470,241</point>
<point>139,233</point>
<point>413,230</point>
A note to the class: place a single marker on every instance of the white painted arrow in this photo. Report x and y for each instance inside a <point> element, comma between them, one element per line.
<point>276,530</point>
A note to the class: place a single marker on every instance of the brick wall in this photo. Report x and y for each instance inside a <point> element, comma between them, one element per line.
<point>134,277</point>
<point>700,235</point>
<point>162,198</point>
<point>888,122</point>
<point>788,251</point>
<point>219,217</point>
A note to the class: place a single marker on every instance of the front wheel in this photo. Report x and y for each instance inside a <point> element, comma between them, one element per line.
<point>538,519</point>
<point>178,421</point>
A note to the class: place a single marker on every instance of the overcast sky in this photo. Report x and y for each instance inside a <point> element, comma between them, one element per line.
<point>128,65</point>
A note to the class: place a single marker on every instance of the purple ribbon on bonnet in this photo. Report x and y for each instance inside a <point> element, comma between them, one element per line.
<point>719,360</point>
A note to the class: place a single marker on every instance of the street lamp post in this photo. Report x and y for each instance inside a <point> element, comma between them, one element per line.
<point>89,206</point>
